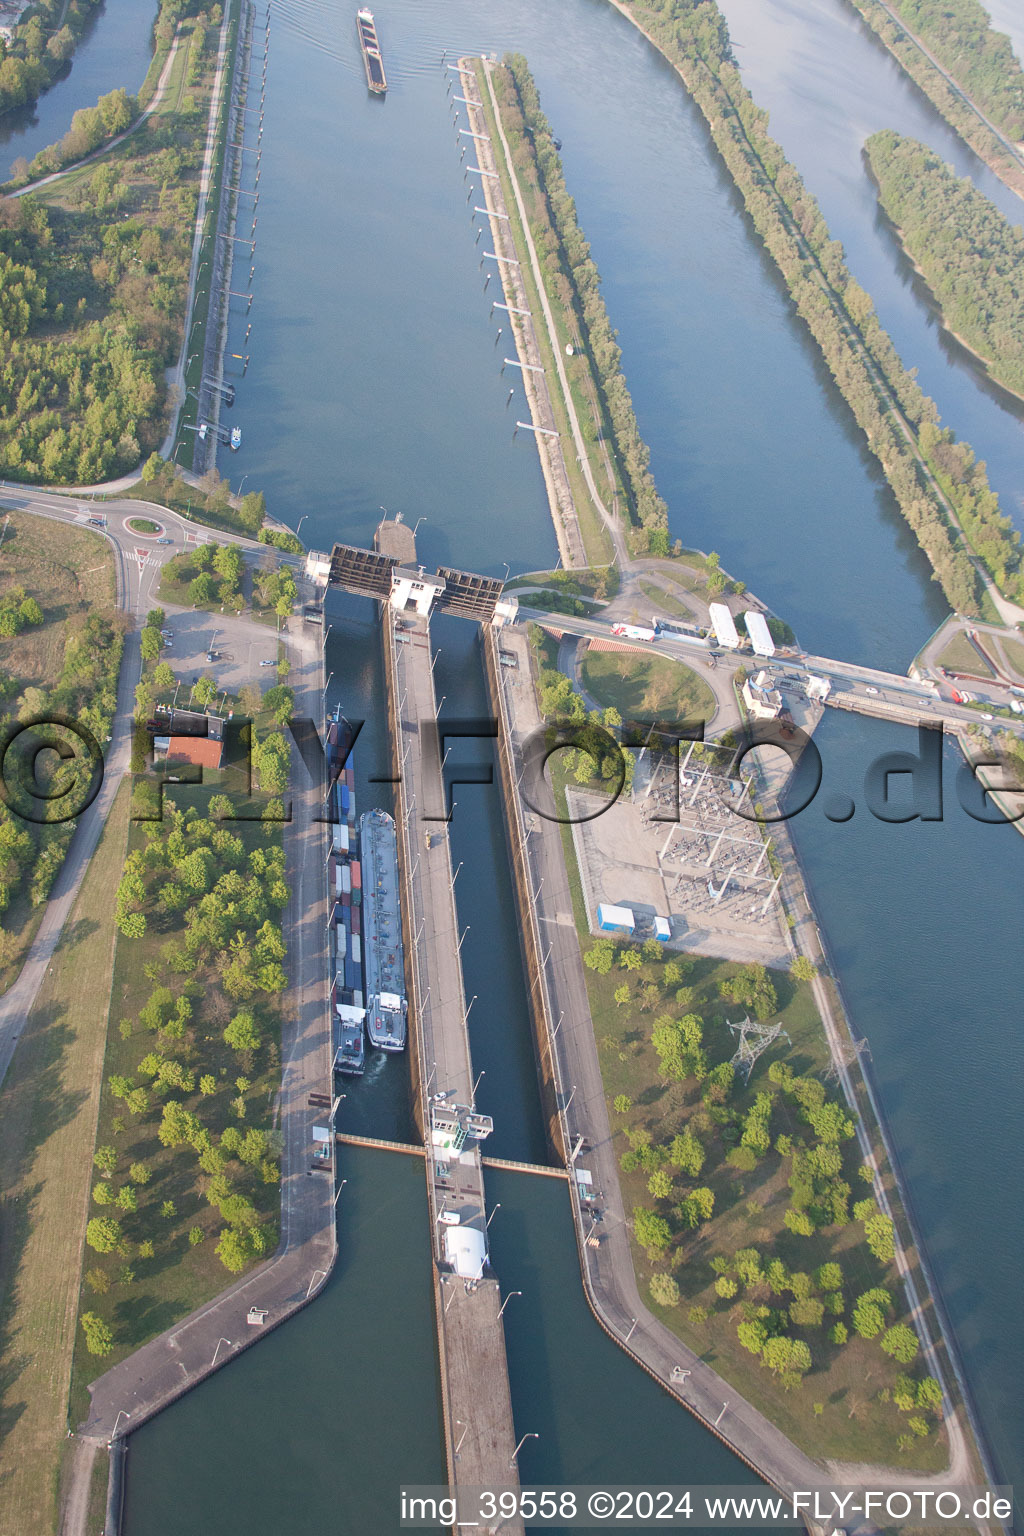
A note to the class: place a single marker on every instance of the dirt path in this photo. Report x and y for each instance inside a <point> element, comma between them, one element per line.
<point>77,1486</point>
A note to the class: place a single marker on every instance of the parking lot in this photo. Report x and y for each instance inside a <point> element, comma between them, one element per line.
<point>241,647</point>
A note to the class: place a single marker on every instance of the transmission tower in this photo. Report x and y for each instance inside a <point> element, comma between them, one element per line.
<point>846,1053</point>
<point>755,1038</point>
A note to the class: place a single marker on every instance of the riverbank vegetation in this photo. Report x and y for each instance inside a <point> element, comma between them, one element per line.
<point>60,653</point>
<point>48,1106</point>
<point>43,41</point>
<point>969,254</point>
<point>573,284</point>
<point>756,1236</point>
<point>951,517</point>
<point>993,57</point>
<point>186,1181</point>
<point>981,60</point>
<point>94,269</point>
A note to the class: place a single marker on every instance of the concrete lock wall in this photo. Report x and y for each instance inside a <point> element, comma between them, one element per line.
<point>529,934</point>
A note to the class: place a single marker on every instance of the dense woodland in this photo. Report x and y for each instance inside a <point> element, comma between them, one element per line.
<point>56,660</point>
<point>43,41</point>
<point>92,298</point>
<point>571,275</point>
<point>960,34</point>
<point>971,256</point>
<point>859,353</point>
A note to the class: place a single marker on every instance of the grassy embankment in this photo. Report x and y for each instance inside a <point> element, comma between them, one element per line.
<point>56,663</point>
<point>48,1109</point>
<point>775,1221</point>
<point>666,601</point>
<point>144,1292</point>
<point>200,318</point>
<point>596,540</point>
<point>960,656</point>
<point>186,1177</point>
<point>646,687</point>
<point>1013,651</point>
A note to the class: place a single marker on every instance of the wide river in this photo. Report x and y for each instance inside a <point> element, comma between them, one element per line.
<point>374,382</point>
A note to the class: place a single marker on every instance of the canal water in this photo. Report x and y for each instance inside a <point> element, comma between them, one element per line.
<point>374,381</point>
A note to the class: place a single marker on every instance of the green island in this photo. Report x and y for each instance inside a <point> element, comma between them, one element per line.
<point>44,39</point>
<point>961,35</point>
<point>969,254</point>
<point>997,89</point>
<point>93,275</point>
<point>952,519</point>
<point>61,639</point>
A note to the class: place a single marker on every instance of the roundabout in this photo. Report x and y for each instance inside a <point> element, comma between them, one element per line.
<point>144,527</point>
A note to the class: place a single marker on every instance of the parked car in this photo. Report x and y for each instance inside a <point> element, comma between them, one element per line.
<point>268,663</point>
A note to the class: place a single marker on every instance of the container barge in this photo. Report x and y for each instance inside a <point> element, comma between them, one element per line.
<point>370,45</point>
<point>386,1004</point>
<point>344,903</point>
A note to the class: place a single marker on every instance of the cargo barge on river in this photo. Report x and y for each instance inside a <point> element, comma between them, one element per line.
<point>344,902</point>
<point>386,1005</point>
<point>370,45</point>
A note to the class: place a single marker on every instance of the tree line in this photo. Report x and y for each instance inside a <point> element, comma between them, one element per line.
<point>572,277</point>
<point>885,399</point>
<point>970,254</point>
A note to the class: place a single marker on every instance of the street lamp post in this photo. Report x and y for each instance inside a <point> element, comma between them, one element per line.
<point>508,1298</point>
<point>531,1435</point>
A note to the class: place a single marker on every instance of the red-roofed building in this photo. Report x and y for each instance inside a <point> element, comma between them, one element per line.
<point>201,751</point>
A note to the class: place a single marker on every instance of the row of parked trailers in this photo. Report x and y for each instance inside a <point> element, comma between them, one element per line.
<point>344,902</point>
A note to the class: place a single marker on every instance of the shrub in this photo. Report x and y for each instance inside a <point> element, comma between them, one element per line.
<point>664,1290</point>
<point>98,1338</point>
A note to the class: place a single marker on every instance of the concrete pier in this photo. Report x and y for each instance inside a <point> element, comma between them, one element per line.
<point>480,1437</point>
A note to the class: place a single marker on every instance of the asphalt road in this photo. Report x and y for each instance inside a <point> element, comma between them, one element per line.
<point>866,689</point>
